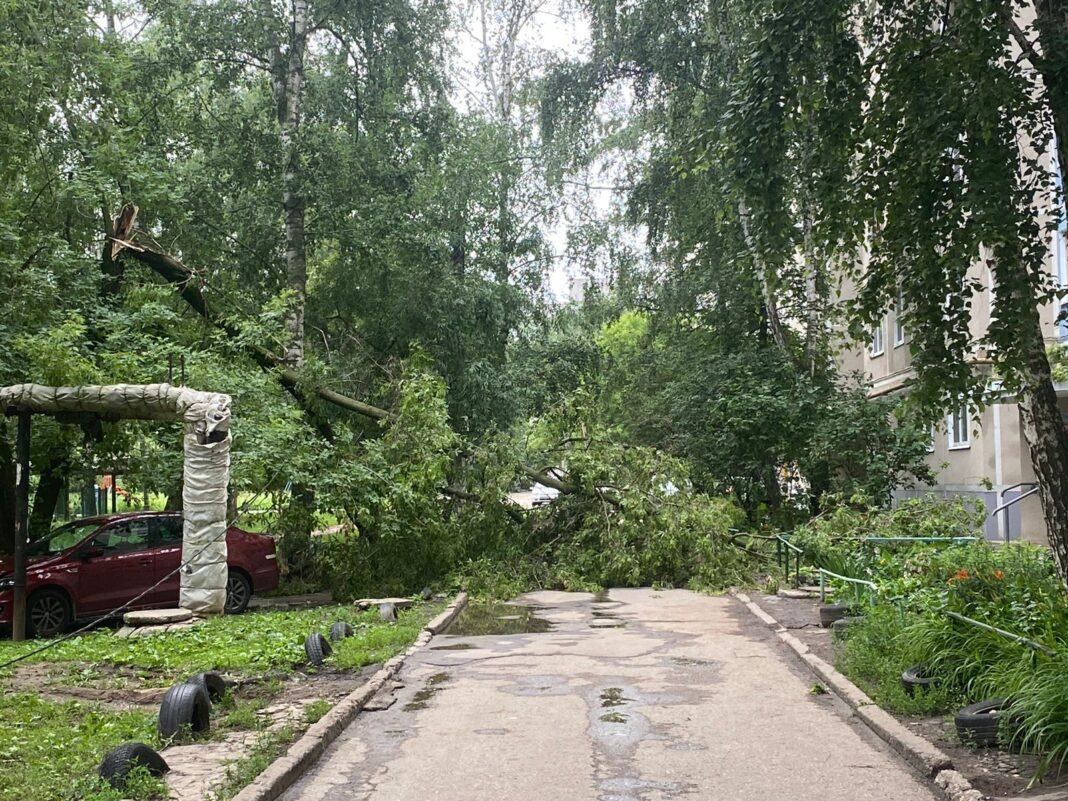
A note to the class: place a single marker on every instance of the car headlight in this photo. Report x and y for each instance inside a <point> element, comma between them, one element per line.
<point>7,584</point>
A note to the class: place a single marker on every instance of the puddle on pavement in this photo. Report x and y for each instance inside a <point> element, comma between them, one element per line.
<point>497,618</point>
<point>608,624</point>
<point>689,661</point>
<point>420,699</point>
<point>459,646</point>
<point>613,696</point>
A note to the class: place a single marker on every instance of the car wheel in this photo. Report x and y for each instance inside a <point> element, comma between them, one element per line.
<point>48,613</point>
<point>238,593</point>
<point>119,761</point>
<point>184,707</point>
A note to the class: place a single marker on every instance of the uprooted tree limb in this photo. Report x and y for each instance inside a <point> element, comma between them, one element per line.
<point>186,282</point>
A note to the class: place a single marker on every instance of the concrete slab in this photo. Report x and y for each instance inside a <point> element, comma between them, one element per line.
<point>156,617</point>
<point>690,697</point>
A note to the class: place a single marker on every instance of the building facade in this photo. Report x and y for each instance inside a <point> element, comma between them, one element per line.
<point>982,455</point>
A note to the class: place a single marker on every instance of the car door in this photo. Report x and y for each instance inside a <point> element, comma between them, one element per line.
<point>120,565</point>
<point>167,539</point>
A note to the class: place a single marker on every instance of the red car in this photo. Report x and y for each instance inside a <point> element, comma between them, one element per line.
<point>90,567</point>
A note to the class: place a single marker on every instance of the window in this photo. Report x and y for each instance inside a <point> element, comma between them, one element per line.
<point>877,346</point>
<point>123,537</point>
<point>169,530</point>
<point>899,326</point>
<point>957,428</point>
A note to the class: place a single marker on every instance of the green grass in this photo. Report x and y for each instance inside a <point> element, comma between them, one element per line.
<point>253,643</point>
<point>240,772</point>
<point>51,751</point>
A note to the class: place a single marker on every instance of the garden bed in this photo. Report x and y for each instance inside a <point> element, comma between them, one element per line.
<point>994,772</point>
<point>65,708</point>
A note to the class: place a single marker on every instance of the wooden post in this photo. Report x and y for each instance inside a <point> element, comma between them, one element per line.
<point>22,521</point>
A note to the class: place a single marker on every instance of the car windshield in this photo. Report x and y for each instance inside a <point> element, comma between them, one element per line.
<point>62,538</point>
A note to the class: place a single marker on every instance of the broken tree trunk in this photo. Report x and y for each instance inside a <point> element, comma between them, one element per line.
<point>185,281</point>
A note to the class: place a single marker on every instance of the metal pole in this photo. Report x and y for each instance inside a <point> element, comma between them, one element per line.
<point>22,525</point>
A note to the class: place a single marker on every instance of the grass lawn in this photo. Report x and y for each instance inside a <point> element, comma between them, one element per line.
<point>49,749</point>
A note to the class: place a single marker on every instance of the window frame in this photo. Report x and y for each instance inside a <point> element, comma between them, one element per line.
<point>953,420</point>
<point>872,352</point>
<point>899,327</point>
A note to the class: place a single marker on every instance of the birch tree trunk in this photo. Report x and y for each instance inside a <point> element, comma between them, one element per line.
<point>1043,428</point>
<point>771,308</point>
<point>289,110</point>
<point>1047,442</point>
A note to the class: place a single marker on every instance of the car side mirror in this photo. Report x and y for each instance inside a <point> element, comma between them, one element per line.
<point>91,552</point>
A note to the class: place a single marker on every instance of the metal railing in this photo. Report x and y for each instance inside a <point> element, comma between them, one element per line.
<point>954,540</point>
<point>863,582</point>
<point>1016,638</point>
<point>1006,533</point>
<point>783,547</point>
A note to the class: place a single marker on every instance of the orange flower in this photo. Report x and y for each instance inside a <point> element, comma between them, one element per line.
<point>960,575</point>
<point>999,575</point>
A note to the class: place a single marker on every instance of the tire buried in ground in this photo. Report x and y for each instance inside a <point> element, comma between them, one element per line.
<point>212,682</point>
<point>185,707</point>
<point>842,625</point>
<point>915,678</point>
<point>832,612</point>
<point>978,724</point>
<point>340,631</point>
<point>316,648</point>
<point>119,761</point>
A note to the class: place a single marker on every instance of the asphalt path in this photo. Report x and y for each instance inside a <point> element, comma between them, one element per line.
<point>633,695</point>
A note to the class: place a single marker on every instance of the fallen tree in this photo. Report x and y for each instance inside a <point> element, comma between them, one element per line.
<point>186,282</point>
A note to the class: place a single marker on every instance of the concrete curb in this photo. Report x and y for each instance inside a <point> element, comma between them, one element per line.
<point>922,755</point>
<point>302,754</point>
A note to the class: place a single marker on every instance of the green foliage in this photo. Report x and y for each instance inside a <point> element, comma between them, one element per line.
<point>249,643</point>
<point>52,750</point>
<point>1015,588</point>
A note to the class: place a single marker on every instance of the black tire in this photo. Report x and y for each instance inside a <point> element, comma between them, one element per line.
<point>119,761</point>
<point>915,678</point>
<point>317,648</point>
<point>185,707</point>
<point>832,612</point>
<point>48,613</point>
<point>340,631</point>
<point>212,682</point>
<point>841,625</point>
<point>978,724</point>
<point>238,593</point>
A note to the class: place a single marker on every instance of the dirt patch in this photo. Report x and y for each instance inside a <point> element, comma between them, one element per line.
<point>993,772</point>
<point>1000,774</point>
<point>117,686</point>
<point>331,685</point>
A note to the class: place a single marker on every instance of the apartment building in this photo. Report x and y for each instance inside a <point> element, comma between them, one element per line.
<point>976,455</point>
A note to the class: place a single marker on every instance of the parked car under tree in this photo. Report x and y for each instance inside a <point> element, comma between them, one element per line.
<point>90,567</point>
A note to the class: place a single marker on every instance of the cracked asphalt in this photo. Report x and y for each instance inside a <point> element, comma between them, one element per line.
<point>634,695</point>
